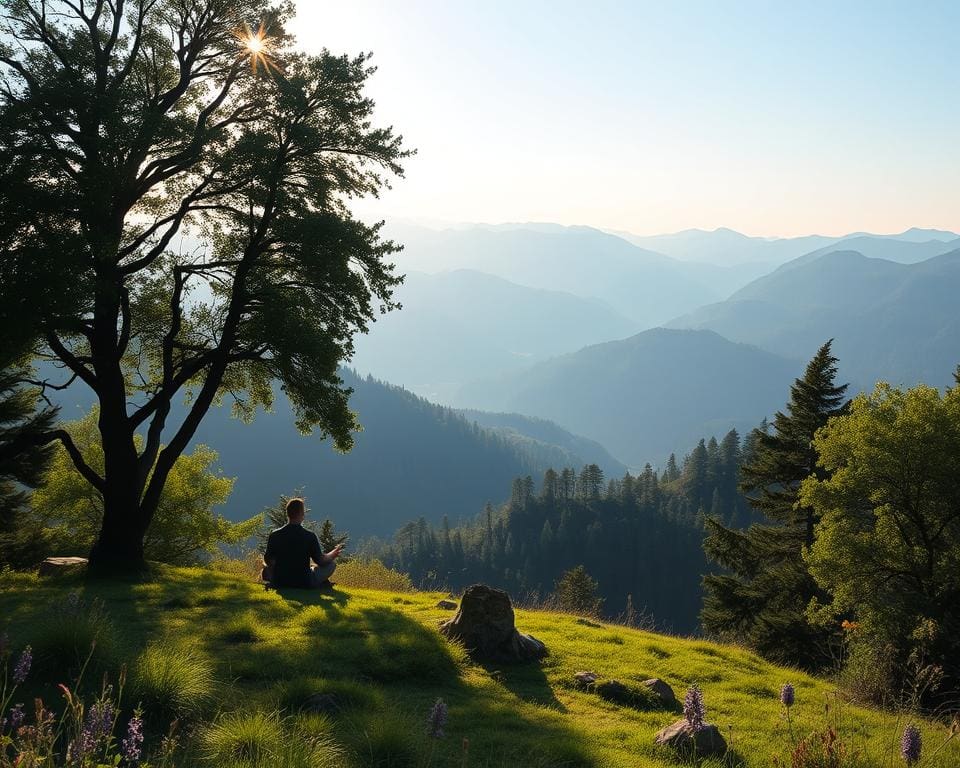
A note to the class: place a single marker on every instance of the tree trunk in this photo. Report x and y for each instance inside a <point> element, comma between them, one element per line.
<point>118,550</point>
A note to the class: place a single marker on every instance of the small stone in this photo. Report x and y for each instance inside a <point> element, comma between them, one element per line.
<point>447,605</point>
<point>321,704</point>
<point>662,691</point>
<point>57,565</point>
<point>584,680</point>
<point>705,742</point>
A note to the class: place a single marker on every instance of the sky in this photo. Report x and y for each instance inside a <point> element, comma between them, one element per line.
<point>771,118</point>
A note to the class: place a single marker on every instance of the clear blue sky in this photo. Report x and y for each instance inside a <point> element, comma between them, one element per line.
<point>773,118</point>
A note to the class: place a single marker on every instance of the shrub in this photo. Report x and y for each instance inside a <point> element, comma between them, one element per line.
<point>372,574</point>
<point>170,680</point>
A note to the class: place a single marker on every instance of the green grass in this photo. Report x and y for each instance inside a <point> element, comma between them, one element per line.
<point>238,664</point>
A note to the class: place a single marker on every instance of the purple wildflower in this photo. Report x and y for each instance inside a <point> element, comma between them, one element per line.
<point>96,730</point>
<point>693,708</point>
<point>131,744</point>
<point>22,669</point>
<point>787,695</point>
<point>911,744</point>
<point>437,719</point>
<point>16,716</point>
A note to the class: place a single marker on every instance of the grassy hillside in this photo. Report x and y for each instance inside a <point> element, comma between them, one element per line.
<point>380,654</point>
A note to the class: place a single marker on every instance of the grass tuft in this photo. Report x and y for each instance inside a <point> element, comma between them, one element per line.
<point>172,681</point>
<point>69,633</point>
<point>261,740</point>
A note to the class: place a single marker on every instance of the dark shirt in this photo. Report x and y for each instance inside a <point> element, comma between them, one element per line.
<point>289,551</point>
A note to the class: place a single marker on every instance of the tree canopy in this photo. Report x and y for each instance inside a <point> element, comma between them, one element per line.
<point>887,549</point>
<point>174,188</point>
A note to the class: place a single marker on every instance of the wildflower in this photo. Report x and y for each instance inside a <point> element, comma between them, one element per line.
<point>16,717</point>
<point>437,719</point>
<point>22,669</point>
<point>131,744</point>
<point>693,709</point>
<point>911,744</point>
<point>787,694</point>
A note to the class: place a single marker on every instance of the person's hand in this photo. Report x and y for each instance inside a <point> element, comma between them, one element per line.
<point>334,553</point>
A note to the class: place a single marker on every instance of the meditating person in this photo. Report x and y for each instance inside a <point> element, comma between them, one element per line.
<point>286,563</point>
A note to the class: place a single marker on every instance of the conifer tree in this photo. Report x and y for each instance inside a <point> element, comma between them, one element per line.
<point>23,462</point>
<point>763,597</point>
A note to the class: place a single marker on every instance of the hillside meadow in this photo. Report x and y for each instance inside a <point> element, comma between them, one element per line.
<point>235,664</point>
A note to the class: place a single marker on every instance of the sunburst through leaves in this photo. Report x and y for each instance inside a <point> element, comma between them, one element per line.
<point>258,45</point>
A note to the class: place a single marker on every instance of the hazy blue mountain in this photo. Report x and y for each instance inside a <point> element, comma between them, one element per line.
<point>458,326</point>
<point>898,322</point>
<point>531,432</point>
<point>648,288</point>
<point>650,394</point>
<point>412,459</point>
<point>727,247</point>
<point>898,249</point>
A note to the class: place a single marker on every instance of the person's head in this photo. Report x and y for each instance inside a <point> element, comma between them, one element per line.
<point>296,509</point>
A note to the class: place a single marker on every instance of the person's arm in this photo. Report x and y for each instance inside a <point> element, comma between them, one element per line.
<point>318,556</point>
<point>269,557</point>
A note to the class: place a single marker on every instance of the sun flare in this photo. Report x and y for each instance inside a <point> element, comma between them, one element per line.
<point>258,45</point>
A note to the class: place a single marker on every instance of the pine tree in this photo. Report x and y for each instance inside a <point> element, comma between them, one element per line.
<point>763,598</point>
<point>329,538</point>
<point>23,461</point>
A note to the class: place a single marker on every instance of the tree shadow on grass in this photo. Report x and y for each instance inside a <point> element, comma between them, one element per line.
<point>525,681</point>
<point>331,600</point>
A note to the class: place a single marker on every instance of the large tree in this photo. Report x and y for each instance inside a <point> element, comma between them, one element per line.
<point>887,550</point>
<point>762,597</point>
<point>174,183</point>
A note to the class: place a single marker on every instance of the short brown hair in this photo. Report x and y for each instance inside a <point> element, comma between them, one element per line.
<point>295,508</point>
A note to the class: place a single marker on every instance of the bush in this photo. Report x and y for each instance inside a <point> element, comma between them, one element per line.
<point>372,574</point>
<point>170,680</point>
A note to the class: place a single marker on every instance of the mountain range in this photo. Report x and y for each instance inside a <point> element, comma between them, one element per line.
<point>651,394</point>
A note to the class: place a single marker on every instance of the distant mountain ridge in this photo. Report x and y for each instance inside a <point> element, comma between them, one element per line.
<point>642,285</point>
<point>461,325</point>
<point>892,321</point>
<point>651,394</point>
<point>728,247</point>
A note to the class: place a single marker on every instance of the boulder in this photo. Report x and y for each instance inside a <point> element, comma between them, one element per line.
<point>447,605</point>
<point>484,623</point>
<point>57,565</point>
<point>585,680</point>
<point>662,691</point>
<point>703,742</point>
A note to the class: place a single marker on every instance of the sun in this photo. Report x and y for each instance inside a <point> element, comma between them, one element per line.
<point>258,45</point>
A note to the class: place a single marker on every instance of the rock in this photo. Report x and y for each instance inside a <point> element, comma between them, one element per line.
<point>585,680</point>
<point>321,704</point>
<point>662,691</point>
<point>485,625</point>
<point>706,742</point>
<point>447,605</point>
<point>615,691</point>
<point>57,565</point>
